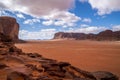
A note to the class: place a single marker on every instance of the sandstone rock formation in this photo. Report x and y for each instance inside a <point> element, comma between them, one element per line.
<point>17,65</point>
<point>108,35</point>
<point>9,27</point>
<point>104,35</point>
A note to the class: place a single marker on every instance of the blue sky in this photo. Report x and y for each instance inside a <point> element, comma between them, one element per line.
<point>41,19</point>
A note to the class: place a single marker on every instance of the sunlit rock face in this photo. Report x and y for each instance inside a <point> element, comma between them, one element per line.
<point>9,27</point>
<point>104,35</point>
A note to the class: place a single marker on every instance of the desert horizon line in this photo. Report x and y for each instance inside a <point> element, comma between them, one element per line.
<point>52,38</point>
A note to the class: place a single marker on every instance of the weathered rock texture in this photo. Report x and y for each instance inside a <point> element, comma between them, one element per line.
<point>104,35</point>
<point>17,65</point>
<point>9,27</point>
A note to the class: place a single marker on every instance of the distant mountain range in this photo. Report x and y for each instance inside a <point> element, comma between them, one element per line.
<point>104,35</point>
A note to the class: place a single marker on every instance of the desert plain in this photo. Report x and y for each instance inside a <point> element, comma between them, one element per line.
<point>84,54</point>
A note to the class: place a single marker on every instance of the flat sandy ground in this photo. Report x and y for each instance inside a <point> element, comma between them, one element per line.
<point>87,55</point>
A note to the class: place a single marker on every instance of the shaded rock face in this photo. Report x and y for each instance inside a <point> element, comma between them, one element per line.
<point>103,75</point>
<point>104,35</point>
<point>109,35</point>
<point>9,27</point>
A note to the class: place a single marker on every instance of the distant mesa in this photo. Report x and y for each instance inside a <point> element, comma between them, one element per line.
<point>104,35</point>
<point>9,27</point>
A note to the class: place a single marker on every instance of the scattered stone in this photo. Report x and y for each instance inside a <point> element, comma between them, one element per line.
<point>84,73</point>
<point>46,66</point>
<point>44,78</point>
<point>3,52</point>
<point>63,64</point>
<point>70,74</point>
<point>14,49</point>
<point>2,66</point>
<point>17,76</point>
<point>103,75</point>
<point>2,45</point>
<point>56,73</point>
<point>81,79</point>
<point>33,55</point>
<point>49,60</point>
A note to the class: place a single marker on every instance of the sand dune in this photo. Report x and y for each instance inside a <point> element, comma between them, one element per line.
<point>87,55</point>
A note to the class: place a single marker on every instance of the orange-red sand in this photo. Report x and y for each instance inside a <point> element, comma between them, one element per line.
<point>87,55</point>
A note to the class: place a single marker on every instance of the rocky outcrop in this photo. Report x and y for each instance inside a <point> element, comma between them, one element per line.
<point>76,36</point>
<point>103,75</point>
<point>17,65</point>
<point>9,27</point>
<point>104,35</point>
<point>108,35</point>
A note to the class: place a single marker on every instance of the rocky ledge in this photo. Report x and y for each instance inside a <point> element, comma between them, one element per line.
<point>17,65</point>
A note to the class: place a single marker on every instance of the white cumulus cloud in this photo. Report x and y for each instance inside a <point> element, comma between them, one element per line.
<point>20,15</point>
<point>105,6</point>
<point>87,20</point>
<point>36,7</point>
<point>31,21</point>
<point>84,25</point>
<point>47,23</point>
<point>116,28</point>
<point>3,13</point>
<point>42,34</point>
<point>60,18</point>
<point>52,12</point>
<point>88,29</point>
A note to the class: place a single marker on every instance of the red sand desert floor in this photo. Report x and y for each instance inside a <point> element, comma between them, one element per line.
<point>87,55</point>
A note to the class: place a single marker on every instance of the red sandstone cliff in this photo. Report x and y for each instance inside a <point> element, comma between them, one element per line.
<point>104,35</point>
<point>9,27</point>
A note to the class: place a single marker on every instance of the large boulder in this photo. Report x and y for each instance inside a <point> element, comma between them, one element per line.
<point>103,75</point>
<point>9,27</point>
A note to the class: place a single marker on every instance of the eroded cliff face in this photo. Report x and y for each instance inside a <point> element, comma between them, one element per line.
<point>104,35</point>
<point>9,27</point>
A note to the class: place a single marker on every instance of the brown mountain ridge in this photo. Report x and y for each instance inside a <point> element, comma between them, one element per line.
<point>104,35</point>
